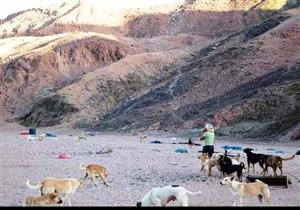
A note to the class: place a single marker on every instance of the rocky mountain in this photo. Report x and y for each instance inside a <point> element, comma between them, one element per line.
<point>175,66</point>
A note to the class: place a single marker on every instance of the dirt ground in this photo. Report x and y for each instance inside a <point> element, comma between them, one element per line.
<point>134,168</point>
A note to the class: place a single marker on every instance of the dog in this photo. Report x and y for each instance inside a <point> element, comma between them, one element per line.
<point>209,163</point>
<point>229,169</point>
<point>65,188</point>
<point>242,189</point>
<point>253,158</point>
<point>95,171</point>
<point>41,138</point>
<point>142,136</point>
<point>275,162</point>
<point>237,158</point>
<point>161,196</point>
<point>79,139</point>
<point>43,200</point>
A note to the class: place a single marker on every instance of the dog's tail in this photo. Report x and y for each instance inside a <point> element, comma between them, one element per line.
<point>289,158</point>
<point>33,187</point>
<point>193,193</point>
<point>82,166</point>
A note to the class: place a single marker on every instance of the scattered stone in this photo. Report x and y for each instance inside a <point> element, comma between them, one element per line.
<point>91,153</point>
<point>104,151</point>
<point>156,150</point>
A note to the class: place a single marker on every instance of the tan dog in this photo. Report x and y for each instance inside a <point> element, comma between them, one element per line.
<point>242,189</point>
<point>43,200</point>
<point>142,136</point>
<point>274,162</point>
<point>209,163</point>
<point>65,188</point>
<point>95,171</point>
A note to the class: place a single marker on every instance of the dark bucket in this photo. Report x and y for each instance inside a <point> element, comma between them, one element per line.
<point>32,131</point>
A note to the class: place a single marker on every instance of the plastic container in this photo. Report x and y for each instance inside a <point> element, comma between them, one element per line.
<point>32,131</point>
<point>64,156</point>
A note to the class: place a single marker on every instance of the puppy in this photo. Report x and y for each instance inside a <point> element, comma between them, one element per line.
<point>229,169</point>
<point>95,171</point>
<point>43,200</point>
<point>208,164</point>
<point>274,162</point>
<point>65,188</point>
<point>253,158</point>
<point>241,189</point>
<point>161,196</point>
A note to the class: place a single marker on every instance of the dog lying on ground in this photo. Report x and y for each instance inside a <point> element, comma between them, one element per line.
<point>94,171</point>
<point>241,189</point>
<point>253,158</point>
<point>229,169</point>
<point>209,163</point>
<point>43,200</point>
<point>274,162</point>
<point>161,196</point>
<point>65,188</point>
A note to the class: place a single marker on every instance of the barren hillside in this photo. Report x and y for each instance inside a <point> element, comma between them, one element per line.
<point>174,66</point>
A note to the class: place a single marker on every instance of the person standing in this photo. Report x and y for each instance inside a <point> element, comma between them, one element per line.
<point>208,137</point>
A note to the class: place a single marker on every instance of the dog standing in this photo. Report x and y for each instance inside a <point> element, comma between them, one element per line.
<point>161,196</point>
<point>253,158</point>
<point>241,189</point>
<point>43,200</point>
<point>142,136</point>
<point>65,188</point>
<point>229,169</point>
<point>209,163</point>
<point>95,171</point>
<point>274,162</point>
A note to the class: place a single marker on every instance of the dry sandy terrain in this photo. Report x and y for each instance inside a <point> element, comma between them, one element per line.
<point>134,168</point>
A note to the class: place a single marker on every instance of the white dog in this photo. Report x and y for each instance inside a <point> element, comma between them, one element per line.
<point>161,196</point>
<point>241,189</point>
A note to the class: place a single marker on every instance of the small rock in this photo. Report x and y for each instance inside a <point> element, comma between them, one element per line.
<point>91,153</point>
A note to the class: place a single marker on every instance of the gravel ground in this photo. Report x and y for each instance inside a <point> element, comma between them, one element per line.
<point>134,168</point>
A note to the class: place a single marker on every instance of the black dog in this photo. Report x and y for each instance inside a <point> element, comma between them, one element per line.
<point>225,159</point>
<point>229,169</point>
<point>255,158</point>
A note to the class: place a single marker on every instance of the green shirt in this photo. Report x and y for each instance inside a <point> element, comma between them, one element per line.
<point>209,138</point>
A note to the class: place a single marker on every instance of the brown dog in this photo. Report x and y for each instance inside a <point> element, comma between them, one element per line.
<point>274,162</point>
<point>94,171</point>
<point>65,188</point>
<point>43,200</point>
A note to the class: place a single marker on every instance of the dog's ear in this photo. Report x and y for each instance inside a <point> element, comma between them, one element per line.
<point>231,178</point>
<point>138,204</point>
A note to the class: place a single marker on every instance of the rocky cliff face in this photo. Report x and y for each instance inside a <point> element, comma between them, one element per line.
<point>247,85</point>
<point>177,66</point>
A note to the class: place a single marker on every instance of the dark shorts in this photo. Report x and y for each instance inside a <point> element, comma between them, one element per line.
<point>208,149</point>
